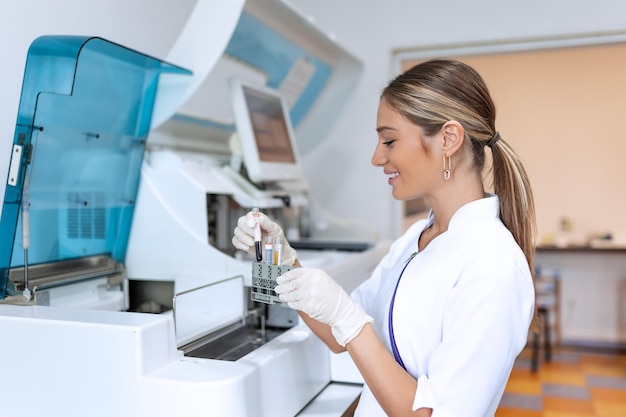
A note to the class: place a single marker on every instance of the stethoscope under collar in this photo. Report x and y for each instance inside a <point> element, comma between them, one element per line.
<point>392,338</point>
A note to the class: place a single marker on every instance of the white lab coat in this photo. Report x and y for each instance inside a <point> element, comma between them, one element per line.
<point>462,311</point>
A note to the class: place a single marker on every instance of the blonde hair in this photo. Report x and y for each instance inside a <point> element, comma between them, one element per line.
<point>434,92</point>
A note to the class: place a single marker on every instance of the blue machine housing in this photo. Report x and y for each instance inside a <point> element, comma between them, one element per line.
<point>84,116</point>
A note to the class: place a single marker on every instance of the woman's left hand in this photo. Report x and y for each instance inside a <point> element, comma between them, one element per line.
<point>315,293</point>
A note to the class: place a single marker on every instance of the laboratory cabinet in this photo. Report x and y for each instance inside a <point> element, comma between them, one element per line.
<point>592,292</point>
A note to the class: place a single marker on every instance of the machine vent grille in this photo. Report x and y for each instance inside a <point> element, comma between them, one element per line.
<point>86,217</point>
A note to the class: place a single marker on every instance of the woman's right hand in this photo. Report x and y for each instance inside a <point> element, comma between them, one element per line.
<point>243,238</point>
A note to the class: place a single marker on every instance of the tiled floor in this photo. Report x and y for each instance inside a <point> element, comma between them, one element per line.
<point>574,384</point>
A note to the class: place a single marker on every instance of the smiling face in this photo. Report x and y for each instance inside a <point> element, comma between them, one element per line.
<point>414,165</point>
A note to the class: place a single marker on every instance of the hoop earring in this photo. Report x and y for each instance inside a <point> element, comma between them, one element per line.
<point>447,165</point>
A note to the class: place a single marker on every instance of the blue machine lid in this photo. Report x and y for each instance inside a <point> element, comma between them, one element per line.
<point>82,125</point>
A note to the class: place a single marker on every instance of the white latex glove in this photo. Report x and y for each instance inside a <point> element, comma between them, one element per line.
<point>315,293</point>
<point>244,236</point>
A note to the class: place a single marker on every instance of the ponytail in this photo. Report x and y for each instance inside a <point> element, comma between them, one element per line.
<point>517,207</point>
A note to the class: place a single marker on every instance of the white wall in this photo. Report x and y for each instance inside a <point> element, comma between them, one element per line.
<point>348,184</point>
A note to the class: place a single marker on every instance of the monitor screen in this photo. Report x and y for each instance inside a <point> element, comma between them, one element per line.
<point>265,133</point>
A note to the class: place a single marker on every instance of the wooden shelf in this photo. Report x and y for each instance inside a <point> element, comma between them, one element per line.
<point>582,249</point>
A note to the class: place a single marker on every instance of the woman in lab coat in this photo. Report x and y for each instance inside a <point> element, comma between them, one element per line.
<point>436,329</point>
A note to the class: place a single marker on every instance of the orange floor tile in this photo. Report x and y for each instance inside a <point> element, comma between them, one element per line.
<point>574,383</point>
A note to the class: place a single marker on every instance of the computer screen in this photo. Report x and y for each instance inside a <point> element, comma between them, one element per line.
<point>265,133</point>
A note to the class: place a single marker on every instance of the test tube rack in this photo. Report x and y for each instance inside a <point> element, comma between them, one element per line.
<point>264,281</point>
